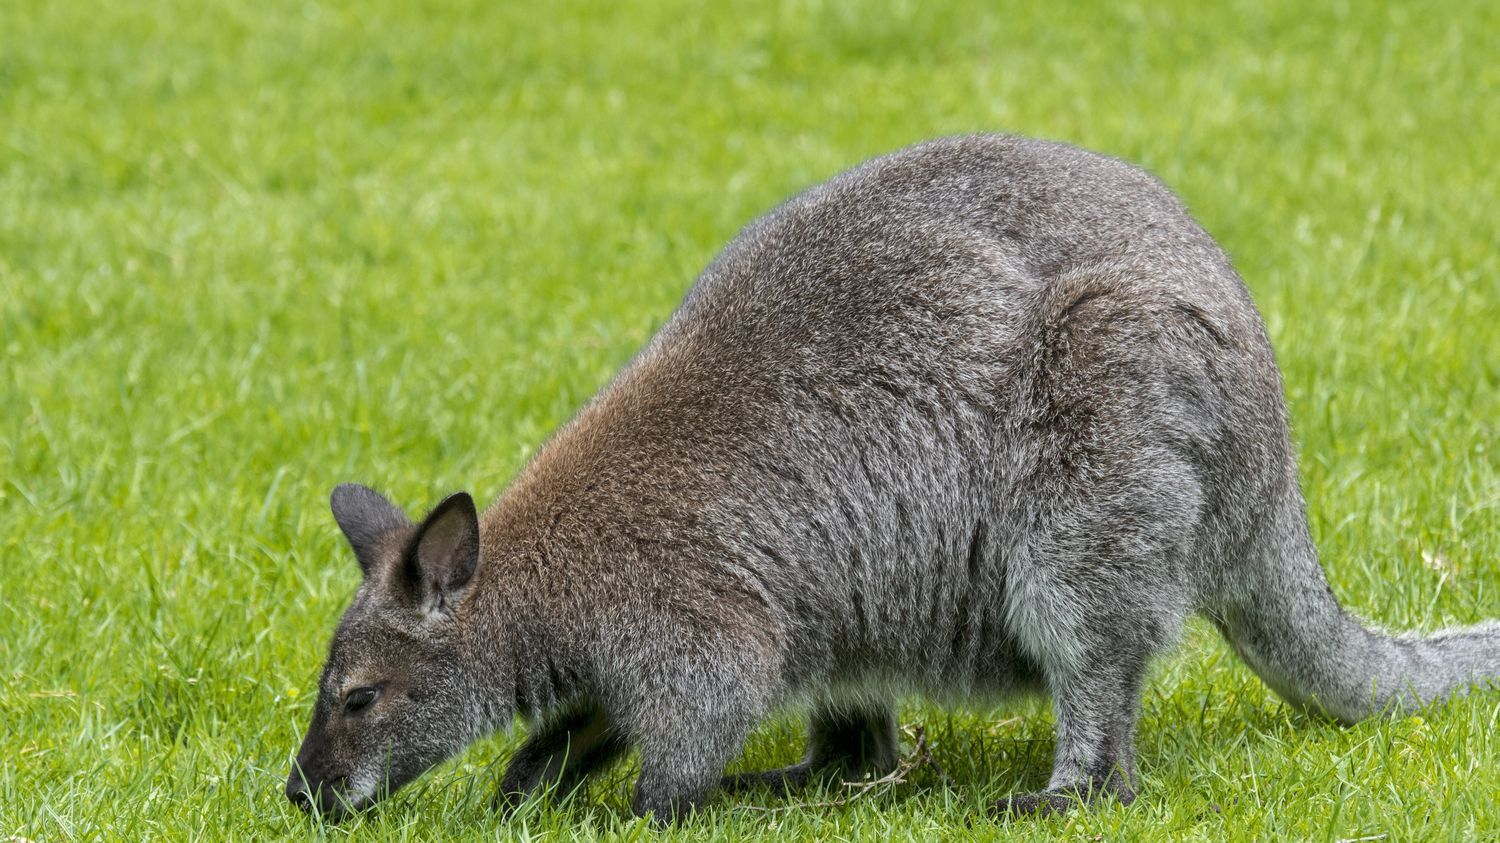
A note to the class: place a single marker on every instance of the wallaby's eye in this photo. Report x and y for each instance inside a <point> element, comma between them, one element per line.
<point>359,699</point>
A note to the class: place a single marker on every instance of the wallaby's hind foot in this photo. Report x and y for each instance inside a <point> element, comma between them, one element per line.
<point>848,741</point>
<point>1049,802</point>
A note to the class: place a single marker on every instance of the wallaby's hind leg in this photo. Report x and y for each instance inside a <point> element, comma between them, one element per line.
<point>1097,706</point>
<point>849,740</point>
<point>563,751</point>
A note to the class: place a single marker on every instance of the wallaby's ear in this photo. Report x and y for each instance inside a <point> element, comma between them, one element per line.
<point>444,553</point>
<point>365,515</point>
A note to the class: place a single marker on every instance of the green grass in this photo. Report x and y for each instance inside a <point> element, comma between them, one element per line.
<point>249,250</point>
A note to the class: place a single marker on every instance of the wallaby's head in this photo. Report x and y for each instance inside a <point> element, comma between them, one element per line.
<point>397,694</point>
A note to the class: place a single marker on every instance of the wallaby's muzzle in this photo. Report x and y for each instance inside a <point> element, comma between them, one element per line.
<point>315,789</point>
<point>328,799</point>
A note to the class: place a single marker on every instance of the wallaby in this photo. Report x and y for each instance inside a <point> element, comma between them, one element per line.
<point>982,416</point>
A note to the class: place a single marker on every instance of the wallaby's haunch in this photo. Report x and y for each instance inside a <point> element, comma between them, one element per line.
<point>981,416</point>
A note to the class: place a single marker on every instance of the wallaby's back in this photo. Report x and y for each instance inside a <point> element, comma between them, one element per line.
<point>944,414</point>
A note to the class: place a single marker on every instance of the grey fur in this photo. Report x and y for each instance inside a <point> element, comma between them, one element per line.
<point>981,416</point>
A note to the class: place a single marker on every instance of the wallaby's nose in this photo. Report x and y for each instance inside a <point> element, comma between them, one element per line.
<point>297,791</point>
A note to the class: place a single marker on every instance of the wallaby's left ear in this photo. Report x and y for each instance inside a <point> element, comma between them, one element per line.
<point>444,553</point>
<point>366,517</point>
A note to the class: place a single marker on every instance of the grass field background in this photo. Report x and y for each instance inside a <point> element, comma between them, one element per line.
<point>250,250</point>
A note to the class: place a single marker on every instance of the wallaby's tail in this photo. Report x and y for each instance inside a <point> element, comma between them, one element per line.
<point>1278,613</point>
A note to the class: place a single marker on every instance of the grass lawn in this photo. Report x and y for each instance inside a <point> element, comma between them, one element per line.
<point>249,250</point>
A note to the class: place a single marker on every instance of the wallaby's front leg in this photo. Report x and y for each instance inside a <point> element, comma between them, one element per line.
<point>689,733</point>
<point>679,772</point>
<point>563,751</point>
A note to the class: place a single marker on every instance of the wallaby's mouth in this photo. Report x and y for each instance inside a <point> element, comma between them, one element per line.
<point>331,800</point>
